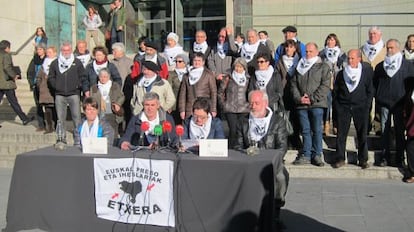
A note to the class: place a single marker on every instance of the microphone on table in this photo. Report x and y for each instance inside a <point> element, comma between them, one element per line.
<point>144,128</point>
<point>157,133</point>
<point>179,130</point>
<point>166,129</point>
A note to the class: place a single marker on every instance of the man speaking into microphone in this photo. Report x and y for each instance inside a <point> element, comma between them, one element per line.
<point>152,117</point>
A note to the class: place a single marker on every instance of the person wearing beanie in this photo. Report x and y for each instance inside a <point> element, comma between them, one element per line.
<point>172,49</point>
<point>151,54</point>
<point>151,81</point>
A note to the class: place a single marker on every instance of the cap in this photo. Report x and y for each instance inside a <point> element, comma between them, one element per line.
<point>151,45</point>
<point>290,29</point>
<point>151,66</point>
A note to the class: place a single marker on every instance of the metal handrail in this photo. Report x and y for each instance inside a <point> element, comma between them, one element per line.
<point>23,45</point>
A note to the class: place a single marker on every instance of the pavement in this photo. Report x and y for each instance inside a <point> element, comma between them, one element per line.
<point>323,205</point>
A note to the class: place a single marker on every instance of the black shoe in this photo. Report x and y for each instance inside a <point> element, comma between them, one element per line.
<point>317,161</point>
<point>28,120</point>
<point>381,163</point>
<point>301,160</point>
<point>363,165</point>
<point>338,164</point>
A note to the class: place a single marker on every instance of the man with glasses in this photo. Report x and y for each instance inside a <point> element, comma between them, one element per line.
<point>200,45</point>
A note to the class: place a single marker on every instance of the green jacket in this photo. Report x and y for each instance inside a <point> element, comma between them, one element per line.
<point>121,21</point>
<point>7,73</point>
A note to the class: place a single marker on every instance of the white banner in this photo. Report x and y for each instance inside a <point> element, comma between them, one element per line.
<point>138,191</point>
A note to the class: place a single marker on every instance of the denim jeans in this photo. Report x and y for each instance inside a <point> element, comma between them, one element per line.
<point>311,123</point>
<point>61,103</point>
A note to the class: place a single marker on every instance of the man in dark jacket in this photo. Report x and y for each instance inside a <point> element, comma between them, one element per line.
<point>7,81</point>
<point>310,86</point>
<point>389,80</point>
<point>264,129</point>
<point>66,76</point>
<point>352,97</point>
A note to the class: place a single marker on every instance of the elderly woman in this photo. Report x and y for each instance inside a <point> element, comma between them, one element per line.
<point>265,79</point>
<point>172,49</point>
<point>110,99</point>
<point>93,125</point>
<point>199,82</point>
<point>201,124</point>
<point>408,52</point>
<point>232,94</point>
<point>101,61</point>
<point>175,77</point>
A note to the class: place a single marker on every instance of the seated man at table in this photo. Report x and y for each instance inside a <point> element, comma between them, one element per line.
<point>153,116</point>
<point>264,129</point>
<point>93,126</point>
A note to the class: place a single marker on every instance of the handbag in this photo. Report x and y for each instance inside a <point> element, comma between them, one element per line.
<point>284,114</point>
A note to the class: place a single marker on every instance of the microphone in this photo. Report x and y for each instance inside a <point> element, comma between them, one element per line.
<point>144,128</point>
<point>157,133</point>
<point>166,129</point>
<point>179,130</point>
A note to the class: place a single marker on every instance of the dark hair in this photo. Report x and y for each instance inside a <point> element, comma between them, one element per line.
<point>43,30</point>
<point>91,101</point>
<point>202,103</point>
<point>4,44</point>
<point>199,54</point>
<point>291,42</point>
<point>406,42</point>
<point>264,55</point>
<point>142,39</point>
<point>101,49</point>
<point>335,37</point>
<point>241,35</point>
<point>264,32</point>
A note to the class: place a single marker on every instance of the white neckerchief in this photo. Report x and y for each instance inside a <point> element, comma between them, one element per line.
<point>195,75</point>
<point>392,64</point>
<point>409,55</point>
<point>305,64</point>
<point>147,81</point>
<point>141,53</point>
<point>46,64</point>
<point>180,73</point>
<point>263,41</point>
<point>200,132</point>
<point>85,58</point>
<point>239,78</point>
<point>151,58</point>
<point>352,76</point>
<point>64,64</point>
<point>263,77</point>
<point>171,53</point>
<point>371,50</point>
<point>222,49</point>
<point>152,123</point>
<point>104,89</point>
<point>200,47</point>
<point>90,132</point>
<point>332,54</point>
<point>249,50</point>
<point>287,61</point>
<point>258,127</point>
<point>239,44</point>
<point>98,67</point>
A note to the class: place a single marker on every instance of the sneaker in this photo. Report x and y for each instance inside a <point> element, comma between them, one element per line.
<point>301,160</point>
<point>317,161</point>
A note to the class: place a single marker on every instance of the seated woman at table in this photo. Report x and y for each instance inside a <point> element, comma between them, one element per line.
<point>201,124</point>
<point>143,128</point>
<point>93,126</point>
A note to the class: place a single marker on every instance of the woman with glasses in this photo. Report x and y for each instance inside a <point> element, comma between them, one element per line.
<point>264,78</point>
<point>175,77</point>
<point>201,124</point>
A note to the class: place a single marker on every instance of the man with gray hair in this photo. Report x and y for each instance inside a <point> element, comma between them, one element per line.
<point>66,74</point>
<point>390,83</point>
<point>121,61</point>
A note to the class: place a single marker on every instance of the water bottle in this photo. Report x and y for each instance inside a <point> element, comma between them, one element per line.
<point>60,136</point>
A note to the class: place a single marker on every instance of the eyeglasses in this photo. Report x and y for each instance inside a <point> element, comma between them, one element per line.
<point>202,118</point>
<point>261,61</point>
<point>179,61</point>
<point>222,36</point>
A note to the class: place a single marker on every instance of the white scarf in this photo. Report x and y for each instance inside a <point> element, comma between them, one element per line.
<point>249,50</point>
<point>371,50</point>
<point>305,64</point>
<point>200,132</point>
<point>263,77</point>
<point>151,58</point>
<point>409,55</point>
<point>64,64</point>
<point>171,53</point>
<point>258,127</point>
<point>147,81</point>
<point>98,67</point>
<point>180,73</point>
<point>90,132</point>
<point>352,76</point>
<point>195,75</point>
<point>239,78</point>
<point>200,47</point>
<point>152,123</point>
<point>392,64</point>
<point>332,54</point>
<point>222,49</point>
<point>84,59</point>
<point>412,96</point>
<point>46,64</point>
<point>104,89</point>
